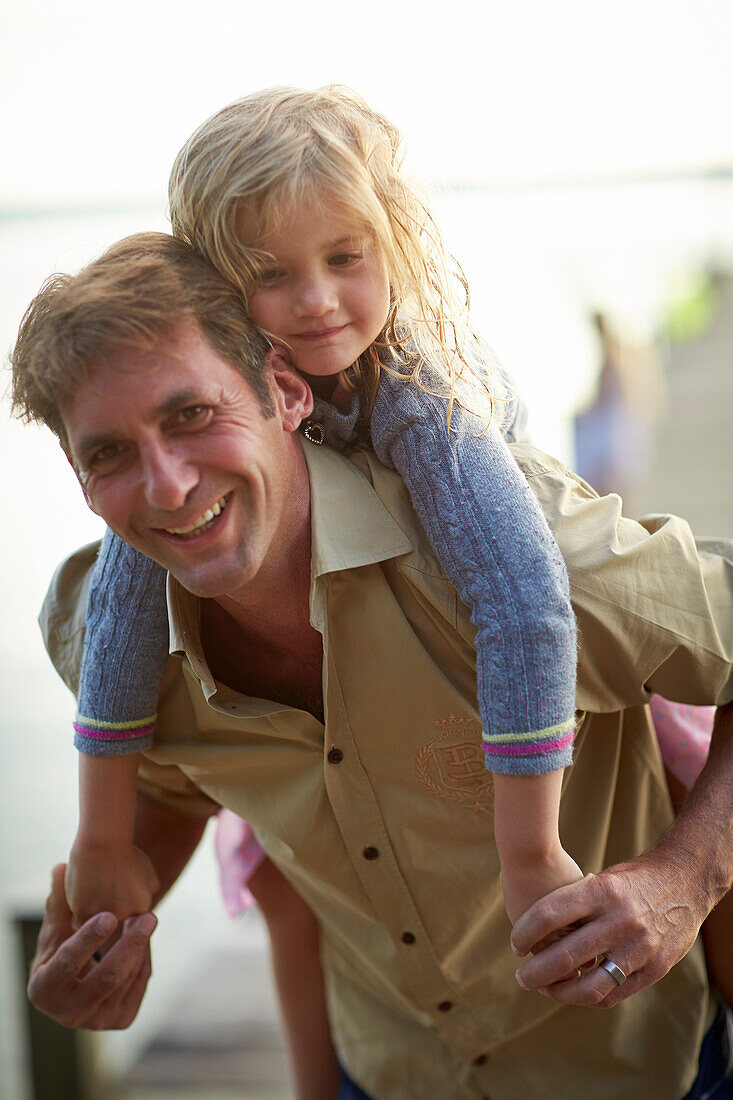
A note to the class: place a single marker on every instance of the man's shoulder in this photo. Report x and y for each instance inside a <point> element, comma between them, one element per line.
<point>63,613</point>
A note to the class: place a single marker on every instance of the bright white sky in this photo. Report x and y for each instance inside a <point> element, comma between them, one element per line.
<point>97,97</point>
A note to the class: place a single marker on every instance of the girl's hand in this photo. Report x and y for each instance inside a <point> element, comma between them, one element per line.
<point>117,879</point>
<point>68,983</point>
<point>527,882</point>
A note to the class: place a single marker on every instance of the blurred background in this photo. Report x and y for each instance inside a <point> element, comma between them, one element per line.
<point>580,158</point>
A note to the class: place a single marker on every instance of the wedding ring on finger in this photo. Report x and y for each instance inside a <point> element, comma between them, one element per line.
<point>615,971</point>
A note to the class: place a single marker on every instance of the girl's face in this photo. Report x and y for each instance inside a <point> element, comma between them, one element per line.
<point>326,295</point>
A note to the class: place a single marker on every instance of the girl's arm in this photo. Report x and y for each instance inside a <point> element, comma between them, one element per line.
<point>491,538</point>
<point>533,861</point>
<point>106,873</point>
<point>125,652</point>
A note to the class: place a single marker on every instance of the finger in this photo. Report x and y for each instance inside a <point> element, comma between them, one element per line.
<point>553,914</point>
<point>72,956</point>
<point>596,990</point>
<point>119,978</point>
<point>565,956</point>
<point>122,961</point>
<point>56,925</point>
<point>57,986</point>
<point>131,997</point>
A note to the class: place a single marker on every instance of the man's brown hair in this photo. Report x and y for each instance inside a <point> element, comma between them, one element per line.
<point>140,289</point>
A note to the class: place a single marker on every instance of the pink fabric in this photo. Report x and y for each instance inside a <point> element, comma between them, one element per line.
<point>239,855</point>
<point>684,734</point>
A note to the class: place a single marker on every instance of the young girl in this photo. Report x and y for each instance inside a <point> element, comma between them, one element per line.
<point>298,199</point>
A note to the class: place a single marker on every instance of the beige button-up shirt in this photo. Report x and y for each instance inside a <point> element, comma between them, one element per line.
<point>383,818</point>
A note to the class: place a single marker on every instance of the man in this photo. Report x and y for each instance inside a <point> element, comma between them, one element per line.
<point>314,596</point>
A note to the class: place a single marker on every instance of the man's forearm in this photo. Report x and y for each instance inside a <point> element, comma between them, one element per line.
<point>702,835</point>
<point>169,839</point>
<point>645,913</point>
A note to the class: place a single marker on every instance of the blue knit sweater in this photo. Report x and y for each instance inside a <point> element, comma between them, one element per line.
<point>487,532</point>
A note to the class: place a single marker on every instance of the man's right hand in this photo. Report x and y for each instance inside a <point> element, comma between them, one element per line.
<point>73,987</point>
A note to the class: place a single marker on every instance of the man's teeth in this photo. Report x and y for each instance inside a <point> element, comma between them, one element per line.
<point>210,514</point>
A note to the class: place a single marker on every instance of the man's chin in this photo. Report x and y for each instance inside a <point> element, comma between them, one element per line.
<point>212,581</point>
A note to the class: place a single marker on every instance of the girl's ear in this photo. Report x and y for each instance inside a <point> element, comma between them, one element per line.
<point>292,394</point>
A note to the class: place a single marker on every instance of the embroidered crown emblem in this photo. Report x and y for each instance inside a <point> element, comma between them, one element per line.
<point>453,765</point>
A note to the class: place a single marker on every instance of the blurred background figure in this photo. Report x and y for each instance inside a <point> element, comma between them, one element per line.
<point>614,435</point>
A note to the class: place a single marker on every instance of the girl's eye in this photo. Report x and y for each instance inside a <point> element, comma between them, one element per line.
<point>344,259</point>
<point>269,276</point>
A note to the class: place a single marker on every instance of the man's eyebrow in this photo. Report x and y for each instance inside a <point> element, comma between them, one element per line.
<point>91,443</point>
<point>171,404</point>
<point>178,401</point>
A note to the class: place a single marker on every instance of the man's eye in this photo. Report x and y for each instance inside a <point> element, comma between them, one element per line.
<point>104,455</point>
<point>193,414</point>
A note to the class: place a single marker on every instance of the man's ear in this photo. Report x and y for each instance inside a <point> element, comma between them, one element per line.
<point>291,392</point>
<point>82,486</point>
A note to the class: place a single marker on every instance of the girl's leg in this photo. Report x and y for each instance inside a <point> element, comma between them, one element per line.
<point>296,962</point>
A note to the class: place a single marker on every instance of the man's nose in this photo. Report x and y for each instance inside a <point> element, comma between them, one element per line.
<point>316,296</point>
<point>168,477</point>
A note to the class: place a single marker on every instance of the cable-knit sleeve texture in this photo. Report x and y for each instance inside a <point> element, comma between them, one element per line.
<point>491,538</point>
<point>125,652</point>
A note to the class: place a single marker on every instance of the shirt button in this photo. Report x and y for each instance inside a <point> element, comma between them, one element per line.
<point>481,1060</point>
<point>407,937</point>
<point>335,756</point>
<point>445,1006</point>
<point>371,853</point>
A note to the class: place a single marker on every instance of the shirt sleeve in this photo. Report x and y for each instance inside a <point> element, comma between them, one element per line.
<point>654,607</point>
<point>494,544</point>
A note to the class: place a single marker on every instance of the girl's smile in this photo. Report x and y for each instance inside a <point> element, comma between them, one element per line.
<point>325,295</point>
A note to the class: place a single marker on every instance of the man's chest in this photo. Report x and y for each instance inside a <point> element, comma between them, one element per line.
<point>292,676</point>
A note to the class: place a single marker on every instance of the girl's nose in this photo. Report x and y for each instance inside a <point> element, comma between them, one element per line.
<point>316,297</point>
<point>168,477</point>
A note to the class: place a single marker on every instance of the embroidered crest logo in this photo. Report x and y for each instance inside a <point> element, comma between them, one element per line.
<point>453,766</point>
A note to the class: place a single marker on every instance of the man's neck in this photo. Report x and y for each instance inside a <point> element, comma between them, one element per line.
<point>269,652</point>
<point>270,612</point>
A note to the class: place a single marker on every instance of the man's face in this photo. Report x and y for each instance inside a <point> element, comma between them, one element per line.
<point>173,452</point>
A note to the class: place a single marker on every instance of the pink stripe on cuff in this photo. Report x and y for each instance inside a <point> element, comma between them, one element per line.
<point>113,735</point>
<point>531,749</point>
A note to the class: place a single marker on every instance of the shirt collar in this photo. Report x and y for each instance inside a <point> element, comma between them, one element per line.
<point>350,527</point>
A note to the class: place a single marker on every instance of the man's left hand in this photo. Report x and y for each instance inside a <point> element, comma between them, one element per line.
<point>69,982</point>
<point>644,915</point>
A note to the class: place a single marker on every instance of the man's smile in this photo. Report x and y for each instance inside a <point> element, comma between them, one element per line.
<point>202,523</point>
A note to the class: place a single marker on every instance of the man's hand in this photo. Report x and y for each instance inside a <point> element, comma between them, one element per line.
<point>66,980</point>
<point>644,914</point>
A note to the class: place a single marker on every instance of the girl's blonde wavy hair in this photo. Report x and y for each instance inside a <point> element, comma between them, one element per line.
<point>271,151</point>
